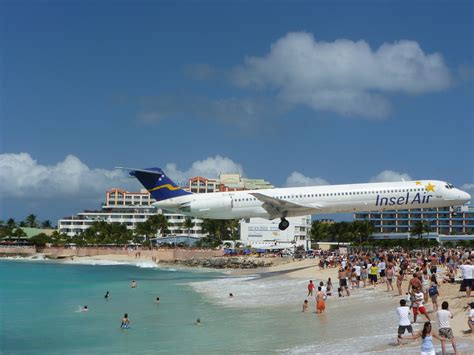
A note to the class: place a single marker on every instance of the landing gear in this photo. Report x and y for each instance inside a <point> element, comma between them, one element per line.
<point>283,224</point>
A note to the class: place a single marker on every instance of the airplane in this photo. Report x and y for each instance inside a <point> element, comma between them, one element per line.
<point>297,201</point>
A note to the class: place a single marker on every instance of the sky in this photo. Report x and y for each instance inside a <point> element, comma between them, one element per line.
<point>295,92</point>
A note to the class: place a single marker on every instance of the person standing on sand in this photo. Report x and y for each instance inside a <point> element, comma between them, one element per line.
<point>433,292</point>
<point>363,275</point>
<point>310,288</point>
<point>389,274</point>
<point>342,276</point>
<point>400,278</point>
<point>373,274</point>
<point>444,328</point>
<point>467,279</point>
<point>414,283</point>
<point>418,306</point>
<point>404,323</point>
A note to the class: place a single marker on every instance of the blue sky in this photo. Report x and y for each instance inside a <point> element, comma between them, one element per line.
<point>332,90</point>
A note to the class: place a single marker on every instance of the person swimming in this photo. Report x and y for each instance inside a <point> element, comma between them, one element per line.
<point>85,309</point>
<point>107,295</point>
<point>134,284</point>
<point>198,321</point>
<point>231,295</point>
<point>157,300</point>
<point>125,322</point>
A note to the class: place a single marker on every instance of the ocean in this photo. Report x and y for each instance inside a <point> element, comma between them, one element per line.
<point>40,303</point>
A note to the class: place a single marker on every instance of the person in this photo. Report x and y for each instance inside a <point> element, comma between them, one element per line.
<point>404,323</point>
<point>354,282</point>
<point>467,279</point>
<point>231,295</point>
<point>414,282</point>
<point>425,281</point>
<point>198,321</point>
<point>107,295</point>
<point>85,309</point>
<point>310,288</point>
<point>134,284</point>
<point>427,347</point>
<point>358,273</point>
<point>389,273</point>
<point>363,275</point>
<point>444,328</point>
<point>329,287</point>
<point>320,301</point>
<point>449,278</point>
<point>305,305</point>
<point>342,275</point>
<point>470,318</point>
<point>400,278</point>
<point>433,292</point>
<point>125,322</point>
<point>373,274</point>
<point>381,266</point>
<point>157,300</point>
<point>418,306</point>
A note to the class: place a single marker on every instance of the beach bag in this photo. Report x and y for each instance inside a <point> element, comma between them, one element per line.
<point>433,290</point>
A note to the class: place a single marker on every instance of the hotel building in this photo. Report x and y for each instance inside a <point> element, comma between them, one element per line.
<point>129,208</point>
<point>442,221</point>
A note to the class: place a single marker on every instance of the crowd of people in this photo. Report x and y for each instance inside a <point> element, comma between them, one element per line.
<point>425,272</point>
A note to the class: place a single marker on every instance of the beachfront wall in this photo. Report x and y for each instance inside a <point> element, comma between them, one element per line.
<point>159,254</point>
<point>17,250</point>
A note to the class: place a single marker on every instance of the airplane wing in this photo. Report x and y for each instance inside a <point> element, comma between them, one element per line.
<point>281,208</point>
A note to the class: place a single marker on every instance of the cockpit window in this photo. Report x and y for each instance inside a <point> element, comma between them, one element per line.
<point>449,186</point>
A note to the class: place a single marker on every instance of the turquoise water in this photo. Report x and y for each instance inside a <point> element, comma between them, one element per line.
<point>40,302</point>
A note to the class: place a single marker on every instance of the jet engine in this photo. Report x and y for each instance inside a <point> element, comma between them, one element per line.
<point>221,203</point>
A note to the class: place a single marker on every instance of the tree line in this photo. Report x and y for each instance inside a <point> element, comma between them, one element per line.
<point>117,234</point>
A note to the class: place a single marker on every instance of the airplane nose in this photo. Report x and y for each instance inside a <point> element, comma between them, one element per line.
<point>464,196</point>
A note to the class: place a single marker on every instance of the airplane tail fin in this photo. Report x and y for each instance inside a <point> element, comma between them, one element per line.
<point>160,186</point>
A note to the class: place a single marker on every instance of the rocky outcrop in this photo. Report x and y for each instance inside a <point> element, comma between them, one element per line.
<point>223,263</point>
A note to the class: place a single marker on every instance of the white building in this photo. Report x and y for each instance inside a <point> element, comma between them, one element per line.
<point>259,232</point>
<point>129,208</point>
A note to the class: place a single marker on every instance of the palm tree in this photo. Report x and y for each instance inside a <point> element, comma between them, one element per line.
<point>46,224</point>
<point>188,224</point>
<point>363,229</point>
<point>419,227</point>
<point>159,223</point>
<point>31,221</point>
<point>11,223</point>
<point>233,227</point>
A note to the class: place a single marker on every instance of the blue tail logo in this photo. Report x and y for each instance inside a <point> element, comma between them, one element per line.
<point>160,186</point>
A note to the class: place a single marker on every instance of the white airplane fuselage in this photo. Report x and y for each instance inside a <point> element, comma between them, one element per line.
<point>317,199</point>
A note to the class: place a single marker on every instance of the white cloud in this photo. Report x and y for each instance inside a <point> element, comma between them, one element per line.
<point>210,168</point>
<point>23,177</point>
<point>343,76</point>
<point>390,176</point>
<point>467,187</point>
<point>298,179</point>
